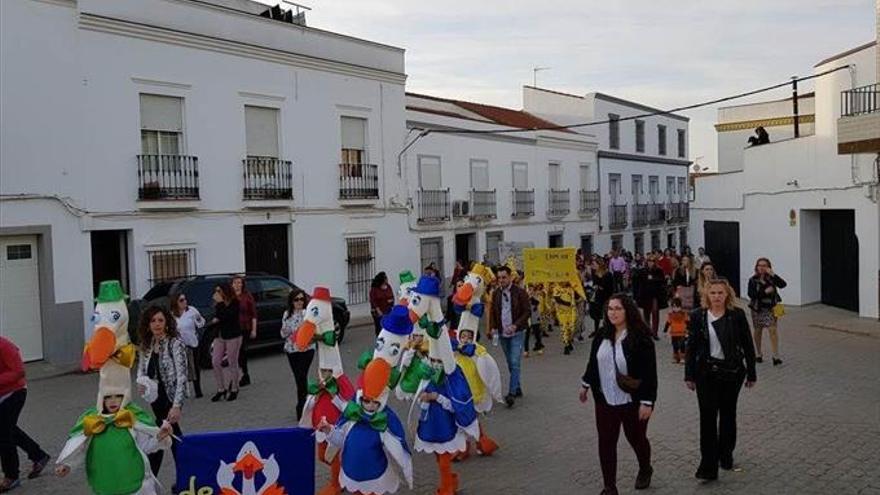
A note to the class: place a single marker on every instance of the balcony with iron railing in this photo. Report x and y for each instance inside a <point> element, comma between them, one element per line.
<point>617,216</point>
<point>358,181</point>
<point>168,178</point>
<point>678,212</point>
<point>267,179</point>
<point>433,205</point>
<point>858,129</point>
<point>640,215</point>
<point>656,214</point>
<point>589,202</point>
<point>523,203</point>
<point>483,204</point>
<point>559,202</point>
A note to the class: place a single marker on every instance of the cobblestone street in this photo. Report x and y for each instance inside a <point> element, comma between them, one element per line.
<point>811,425</point>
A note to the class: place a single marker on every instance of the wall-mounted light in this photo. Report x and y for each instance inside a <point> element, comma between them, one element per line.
<point>793,183</point>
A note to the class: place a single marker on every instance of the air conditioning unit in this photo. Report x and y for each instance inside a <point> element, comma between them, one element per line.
<point>461,208</point>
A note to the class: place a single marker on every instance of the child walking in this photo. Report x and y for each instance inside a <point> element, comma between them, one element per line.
<point>676,325</point>
<point>536,295</point>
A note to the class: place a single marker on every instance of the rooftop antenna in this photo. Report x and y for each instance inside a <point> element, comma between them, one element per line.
<point>535,71</point>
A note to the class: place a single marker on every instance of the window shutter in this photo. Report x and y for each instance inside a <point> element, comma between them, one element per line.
<point>520,176</point>
<point>585,177</point>
<point>554,176</point>
<point>429,173</point>
<point>354,133</point>
<point>261,129</point>
<point>161,113</point>
<point>480,175</point>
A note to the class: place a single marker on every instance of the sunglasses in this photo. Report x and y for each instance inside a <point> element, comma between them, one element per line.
<point>299,299</point>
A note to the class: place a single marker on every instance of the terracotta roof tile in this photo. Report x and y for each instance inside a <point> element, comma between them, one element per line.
<point>500,115</point>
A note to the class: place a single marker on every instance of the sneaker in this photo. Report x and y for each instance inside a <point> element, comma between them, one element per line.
<point>509,401</point>
<point>568,349</point>
<point>538,347</point>
<point>518,393</point>
<point>38,466</point>
<point>525,354</point>
<point>777,361</point>
<point>759,359</point>
<point>581,338</point>
<point>540,352</point>
<point>8,485</point>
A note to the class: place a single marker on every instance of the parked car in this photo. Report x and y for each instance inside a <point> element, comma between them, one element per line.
<point>270,294</point>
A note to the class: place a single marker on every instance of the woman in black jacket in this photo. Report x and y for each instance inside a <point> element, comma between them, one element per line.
<point>603,287</point>
<point>763,297</point>
<point>622,373</point>
<point>719,358</point>
<point>650,292</point>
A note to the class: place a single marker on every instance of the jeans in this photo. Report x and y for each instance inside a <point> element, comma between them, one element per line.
<point>513,349</point>
<point>11,436</point>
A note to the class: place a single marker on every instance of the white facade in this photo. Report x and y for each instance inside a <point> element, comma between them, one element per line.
<point>778,199</point>
<point>532,162</point>
<point>631,163</point>
<point>73,126</point>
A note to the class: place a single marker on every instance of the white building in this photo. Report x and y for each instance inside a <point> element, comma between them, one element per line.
<point>809,203</point>
<point>144,139</point>
<point>472,191</point>
<point>642,167</point>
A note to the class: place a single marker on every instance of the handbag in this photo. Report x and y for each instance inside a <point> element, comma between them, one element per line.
<point>779,310</point>
<point>626,383</point>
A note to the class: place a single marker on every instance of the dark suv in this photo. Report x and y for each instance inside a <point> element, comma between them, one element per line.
<point>270,294</point>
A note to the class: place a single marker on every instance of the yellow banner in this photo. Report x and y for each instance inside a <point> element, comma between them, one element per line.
<point>545,265</point>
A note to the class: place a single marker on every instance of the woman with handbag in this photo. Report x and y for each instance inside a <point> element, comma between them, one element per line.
<point>766,305</point>
<point>719,358</point>
<point>685,283</point>
<point>622,373</point>
<point>162,360</point>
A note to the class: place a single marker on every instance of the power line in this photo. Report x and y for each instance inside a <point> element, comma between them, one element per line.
<point>737,96</point>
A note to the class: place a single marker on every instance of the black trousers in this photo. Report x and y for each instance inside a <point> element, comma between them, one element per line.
<point>300,362</point>
<point>717,400</point>
<point>609,419</point>
<point>539,335</point>
<point>12,437</point>
<point>197,371</point>
<point>161,406</point>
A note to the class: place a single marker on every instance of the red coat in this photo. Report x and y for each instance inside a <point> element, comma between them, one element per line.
<point>324,406</point>
<point>11,368</point>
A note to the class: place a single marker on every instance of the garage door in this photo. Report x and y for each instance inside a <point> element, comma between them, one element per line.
<point>20,295</point>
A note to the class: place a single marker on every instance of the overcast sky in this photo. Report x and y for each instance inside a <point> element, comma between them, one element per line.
<point>662,53</point>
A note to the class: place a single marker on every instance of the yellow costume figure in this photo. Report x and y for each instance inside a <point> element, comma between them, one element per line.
<point>566,313</point>
<point>548,307</point>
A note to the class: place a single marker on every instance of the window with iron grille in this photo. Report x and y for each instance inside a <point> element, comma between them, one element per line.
<point>614,131</point>
<point>361,265</point>
<point>169,264</point>
<point>639,242</point>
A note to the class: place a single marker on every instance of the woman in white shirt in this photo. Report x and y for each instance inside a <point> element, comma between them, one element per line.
<point>720,357</point>
<point>622,373</point>
<point>299,361</point>
<point>189,324</point>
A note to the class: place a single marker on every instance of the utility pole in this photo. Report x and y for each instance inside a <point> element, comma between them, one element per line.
<point>535,71</point>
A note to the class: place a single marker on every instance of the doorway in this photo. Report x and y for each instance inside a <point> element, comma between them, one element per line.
<point>465,248</point>
<point>431,252</point>
<point>554,240</point>
<point>839,248</point>
<point>109,258</point>
<point>493,240</point>
<point>722,246</point>
<point>20,318</point>
<point>587,245</point>
<point>266,249</point>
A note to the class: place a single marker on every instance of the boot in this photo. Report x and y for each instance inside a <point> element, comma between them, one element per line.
<point>448,479</point>
<point>485,445</point>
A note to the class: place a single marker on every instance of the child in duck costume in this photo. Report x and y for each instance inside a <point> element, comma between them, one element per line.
<point>328,396</point>
<point>566,313</point>
<point>447,415</point>
<point>371,435</point>
<point>113,437</point>
<point>479,367</point>
<point>407,284</point>
<point>413,364</point>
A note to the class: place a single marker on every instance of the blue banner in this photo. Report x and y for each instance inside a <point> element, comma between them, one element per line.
<point>260,462</point>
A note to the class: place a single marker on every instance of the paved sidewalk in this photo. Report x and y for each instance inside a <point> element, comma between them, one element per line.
<point>810,426</point>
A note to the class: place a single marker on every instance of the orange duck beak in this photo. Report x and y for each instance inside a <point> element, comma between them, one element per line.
<point>413,316</point>
<point>376,377</point>
<point>248,466</point>
<point>99,349</point>
<point>304,335</point>
<point>463,294</point>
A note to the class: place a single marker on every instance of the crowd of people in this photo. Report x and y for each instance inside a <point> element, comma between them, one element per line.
<point>621,293</point>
